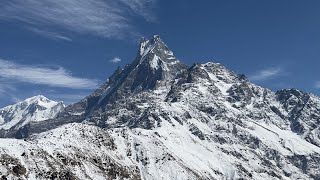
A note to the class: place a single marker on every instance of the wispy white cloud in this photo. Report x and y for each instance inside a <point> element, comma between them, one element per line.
<point>142,7</point>
<point>8,90</point>
<point>317,84</point>
<point>49,34</point>
<point>104,18</point>
<point>115,60</point>
<point>265,74</point>
<point>4,88</point>
<point>54,77</point>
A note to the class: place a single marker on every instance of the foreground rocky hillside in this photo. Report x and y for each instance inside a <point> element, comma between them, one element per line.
<point>160,119</point>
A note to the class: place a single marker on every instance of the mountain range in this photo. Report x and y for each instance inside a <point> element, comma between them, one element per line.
<point>158,118</point>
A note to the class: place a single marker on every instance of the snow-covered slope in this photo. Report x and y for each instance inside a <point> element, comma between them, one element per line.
<point>37,108</point>
<point>159,119</point>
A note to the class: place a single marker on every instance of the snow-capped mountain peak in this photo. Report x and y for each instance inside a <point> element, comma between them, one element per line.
<point>160,119</point>
<point>37,108</point>
<point>157,53</point>
<point>41,100</point>
<point>147,45</point>
<point>154,67</point>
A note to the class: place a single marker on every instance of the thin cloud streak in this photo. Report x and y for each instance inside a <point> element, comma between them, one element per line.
<point>5,88</point>
<point>104,18</point>
<point>50,35</point>
<point>317,84</point>
<point>265,74</point>
<point>44,76</point>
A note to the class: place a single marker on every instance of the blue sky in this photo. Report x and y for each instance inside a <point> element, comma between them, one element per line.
<point>64,49</point>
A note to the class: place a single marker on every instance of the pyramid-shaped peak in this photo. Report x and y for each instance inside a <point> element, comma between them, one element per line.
<point>154,39</point>
<point>154,54</point>
<point>149,45</point>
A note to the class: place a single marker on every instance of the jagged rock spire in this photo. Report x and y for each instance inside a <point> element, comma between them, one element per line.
<point>154,63</point>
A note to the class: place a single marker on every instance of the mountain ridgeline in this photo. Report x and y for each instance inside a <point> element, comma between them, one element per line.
<point>158,118</point>
<point>16,118</point>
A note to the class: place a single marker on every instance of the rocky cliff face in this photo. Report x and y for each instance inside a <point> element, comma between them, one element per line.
<point>160,119</point>
<point>303,113</point>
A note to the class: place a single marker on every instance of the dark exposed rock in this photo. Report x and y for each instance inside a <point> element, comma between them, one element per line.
<point>19,170</point>
<point>276,110</point>
<point>23,132</point>
<point>196,131</point>
<point>241,92</point>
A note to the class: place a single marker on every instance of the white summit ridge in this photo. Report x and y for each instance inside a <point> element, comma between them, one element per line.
<point>37,108</point>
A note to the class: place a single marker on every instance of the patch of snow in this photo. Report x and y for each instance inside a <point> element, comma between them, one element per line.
<point>154,63</point>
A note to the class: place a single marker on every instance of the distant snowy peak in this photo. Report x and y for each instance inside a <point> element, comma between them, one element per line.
<point>37,108</point>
